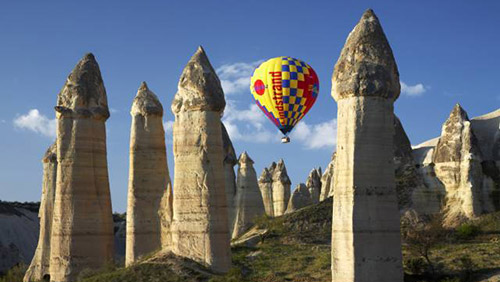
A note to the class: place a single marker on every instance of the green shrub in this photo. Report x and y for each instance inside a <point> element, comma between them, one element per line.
<point>467,231</point>
<point>416,266</point>
<point>15,274</point>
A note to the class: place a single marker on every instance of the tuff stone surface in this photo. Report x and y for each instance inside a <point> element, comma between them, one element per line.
<point>82,227</point>
<point>230,160</point>
<point>148,176</point>
<point>249,200</point>
<point>266,190</point>
<point>200,216</point>
<point>281,187</point>
<point>327,180</point>
<point>457,160</point>
<point>301,197</point>
<point>313,184</point>
<point>366,243</point>
<point>40,264</point>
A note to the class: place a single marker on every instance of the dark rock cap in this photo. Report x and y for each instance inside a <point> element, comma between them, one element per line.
<point>366,66</point>
<point>245,159</point>
<point>84,94</point>
<point>146,102</point>
<point>199,87</point>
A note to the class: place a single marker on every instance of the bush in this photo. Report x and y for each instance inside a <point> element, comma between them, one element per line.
<point>467,231</point>
<point>15,274</point>
<point>416,266</point>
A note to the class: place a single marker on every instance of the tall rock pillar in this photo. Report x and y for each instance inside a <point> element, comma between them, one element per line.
<point>200,223</point>
<point>266,190</point>
<point>230,160</point>
<point>82,226</point>
<point>366,243</point>
<point>281,188</point>
<point>39,267</point>
<point>148,175</point>
<point>249,203</point>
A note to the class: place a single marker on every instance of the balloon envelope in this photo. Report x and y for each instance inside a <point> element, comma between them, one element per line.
<point>285,89</point>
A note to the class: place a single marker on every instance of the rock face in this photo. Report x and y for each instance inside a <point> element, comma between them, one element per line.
<point>281,188</point>
<point>82,227</point>
<point>301,197</point>
<point>313,184</point>
<point>19,231</point>
<point>148,175</point>
<point>39,267</point>
<point>266,190</point>
<point>366,243</point>
<point>327,180</point>
<point>200,216</point>
<point>230,160</point>
<point>249,200</point>
<point>457,160</point>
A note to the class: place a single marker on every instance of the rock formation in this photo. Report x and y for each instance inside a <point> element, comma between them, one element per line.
<point>313,184</point>
<point>366,243</point>
<point>327,180</point>
<point>457,160</point>
<point>281,188</point>
<point>82,226</point>
<point>266,190</point>
<point>249,200</point>
<point>39,267</point>
<point>200,217</point>
<point>148,175</point>
<point>301,197</point>
<point>230,160</point>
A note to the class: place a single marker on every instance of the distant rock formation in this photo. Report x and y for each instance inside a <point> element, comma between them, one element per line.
<point>366,243</point>
<point>200,216</point>
<point>40,264</point>
<point>249,200</point>
<point>82,227</point>
<point>313,184</point>
<point>281,188</point>
<point>301,197</point>
<point>19,232</point>
<point>266,190</point>
<point>327,180</point>
<point>148,175</point>
<point>230,160</point>
<point>457,160</point>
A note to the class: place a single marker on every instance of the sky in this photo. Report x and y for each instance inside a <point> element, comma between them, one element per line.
<point>446,51</point>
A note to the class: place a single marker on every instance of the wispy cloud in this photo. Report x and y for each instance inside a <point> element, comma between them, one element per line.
<point>316,136</point>
<point>412,90</point>
<point>247,124</point>
<point>36,122</point>
<point>235,78</point>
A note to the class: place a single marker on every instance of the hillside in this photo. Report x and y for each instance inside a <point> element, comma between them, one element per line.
<point>295,247</point>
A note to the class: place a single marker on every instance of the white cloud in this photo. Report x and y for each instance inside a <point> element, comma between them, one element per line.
<point>36,122</point>
<point>316,136</point>
<point>235,78</point>
<point>168,126</point>
<point>412,90</point>
<point>247,125</point>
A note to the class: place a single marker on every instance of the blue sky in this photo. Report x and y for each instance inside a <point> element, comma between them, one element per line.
<point>447,52</point>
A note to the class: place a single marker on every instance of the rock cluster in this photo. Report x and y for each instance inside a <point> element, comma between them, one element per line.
<point>230,160</point>
<point>249,200</point>
<point>200,228</point>
<point>366,243</point>
<point>327,180</point>
<point>274,185</point>
<point>39,267</point>
<point>82,226</point>
<point>148,175</point>
<point>313,184</point>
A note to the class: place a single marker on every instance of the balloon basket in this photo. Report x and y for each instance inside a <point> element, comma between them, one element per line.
<point>285,139</point>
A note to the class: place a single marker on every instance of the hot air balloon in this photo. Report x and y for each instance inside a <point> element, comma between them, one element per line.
<point>285,89</point>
